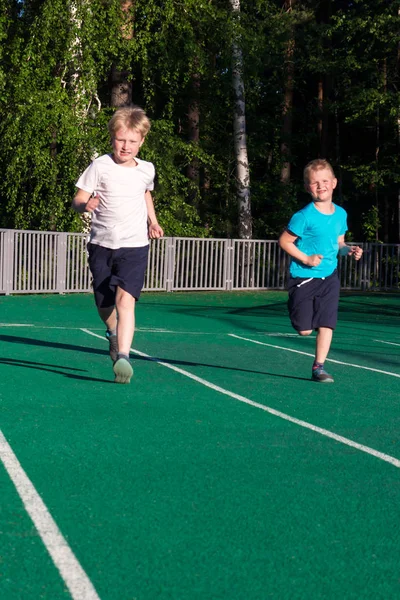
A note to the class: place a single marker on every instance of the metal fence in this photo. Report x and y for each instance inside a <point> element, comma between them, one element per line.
<point>46,262</point>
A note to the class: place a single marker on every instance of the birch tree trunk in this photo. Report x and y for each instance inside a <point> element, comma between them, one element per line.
<point>84,93</point>
<point>239,128</point>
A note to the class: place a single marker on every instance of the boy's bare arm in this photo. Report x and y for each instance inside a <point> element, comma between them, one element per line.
<point>345,250</point>
<point>85,202</point>
<point>155,231</point>
<point>287,243</point>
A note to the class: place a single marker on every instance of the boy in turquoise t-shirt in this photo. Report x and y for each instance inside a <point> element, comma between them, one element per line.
<point>313,238</point>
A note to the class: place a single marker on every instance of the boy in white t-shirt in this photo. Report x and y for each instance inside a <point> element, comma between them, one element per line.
<point>116,190</point>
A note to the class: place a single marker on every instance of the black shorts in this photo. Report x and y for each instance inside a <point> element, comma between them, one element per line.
<point>314,303</point>
<point>124,268</point>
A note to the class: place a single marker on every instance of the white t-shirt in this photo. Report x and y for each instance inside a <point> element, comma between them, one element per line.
<point>120,220</point>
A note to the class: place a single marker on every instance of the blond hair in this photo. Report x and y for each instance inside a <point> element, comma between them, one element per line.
<point>317,165</point>
<point>130,117</point>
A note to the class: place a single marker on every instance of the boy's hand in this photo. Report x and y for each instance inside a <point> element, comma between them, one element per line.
<point>92,203</point>
<point>356,251</point>
<point>314,260</point>
<point>155,231</point>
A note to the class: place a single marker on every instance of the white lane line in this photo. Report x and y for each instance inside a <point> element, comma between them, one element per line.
<point>153,329</point>
<point>150,330</point>
<point>390,343</point>
<point>282,335</point>
<point>325,432</point>
<point>264,333</point>
<point>16,325</point>
<point>64,559</point>
<point>338,362</point>
<point>38,326</point>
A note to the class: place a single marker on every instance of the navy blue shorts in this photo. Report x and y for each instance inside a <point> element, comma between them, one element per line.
<point>314,303</point>
<point>124,268</point>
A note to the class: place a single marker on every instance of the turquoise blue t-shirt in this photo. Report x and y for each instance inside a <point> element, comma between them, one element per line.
<point>317,233</point>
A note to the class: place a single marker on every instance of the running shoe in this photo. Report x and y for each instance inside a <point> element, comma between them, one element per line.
<point>122,370</point>
<point>321,375</point>
<point>113,345</point>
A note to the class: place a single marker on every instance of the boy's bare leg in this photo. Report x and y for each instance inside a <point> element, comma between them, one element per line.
<point>109,317</point>
<point>126,320</point>
<point>323,344</point>
<point>125,304</point>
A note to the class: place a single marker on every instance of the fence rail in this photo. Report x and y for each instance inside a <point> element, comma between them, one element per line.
<point>33,262</point>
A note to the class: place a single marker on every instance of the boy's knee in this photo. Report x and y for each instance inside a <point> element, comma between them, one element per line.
<point>124,299</point>
<point>307,332</point>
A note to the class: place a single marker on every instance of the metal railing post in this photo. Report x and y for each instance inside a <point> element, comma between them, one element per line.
<point>8,261</point>
<point>2,260</point>
<point>229,263</point>
<point>61,258</point>
<point>365,281</point>
<point>170,264</point>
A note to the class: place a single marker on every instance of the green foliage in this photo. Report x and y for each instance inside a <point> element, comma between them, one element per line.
<point>371,224</point>
<point>45,139</point>
<point>171,155</point>
<point>55,100</point>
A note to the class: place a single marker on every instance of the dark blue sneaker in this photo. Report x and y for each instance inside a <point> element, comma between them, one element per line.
<point>319,374</point>
<point>113,345</point>
<point>122,370</point>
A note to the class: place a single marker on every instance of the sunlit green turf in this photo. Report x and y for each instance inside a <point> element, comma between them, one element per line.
<point>167,489</point>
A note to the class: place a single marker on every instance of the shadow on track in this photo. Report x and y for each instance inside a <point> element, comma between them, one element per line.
<point>28,364</point>
<point>30,341</point>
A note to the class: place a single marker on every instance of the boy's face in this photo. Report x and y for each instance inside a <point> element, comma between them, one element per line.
<point>321,184</point>
<point>126,144</point>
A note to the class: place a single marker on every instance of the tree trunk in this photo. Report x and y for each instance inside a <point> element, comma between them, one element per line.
<point>324,88</point>
<point>245,224</point>
<point>398,144</point>
<point>320,108</point>
<point>287,111</point>
<point>383,134</point>
<point>121,86</point>
<point>194,138</point>
<point>338,150</point>
<point>324,84</point>
<point>375,183</point>
<point>83,96</point>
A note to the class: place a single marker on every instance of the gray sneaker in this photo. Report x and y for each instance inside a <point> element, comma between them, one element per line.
<point>122,370</point>
<point>113,345</point>
<point>321,375</point>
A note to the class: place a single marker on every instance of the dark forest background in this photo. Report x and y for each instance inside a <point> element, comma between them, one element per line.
<point>319,79</point>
